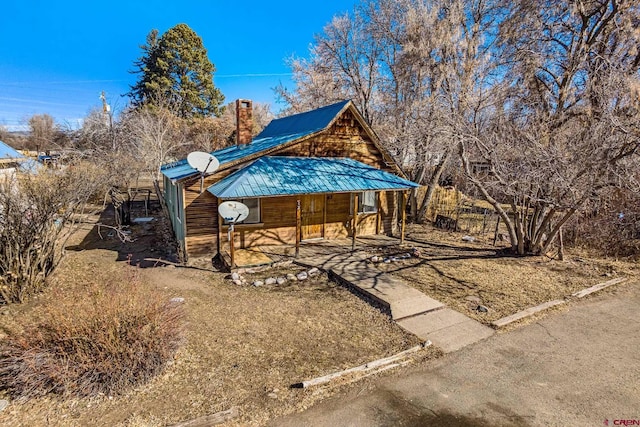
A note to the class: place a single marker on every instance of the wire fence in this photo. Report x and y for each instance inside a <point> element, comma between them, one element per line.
<point>450,209</point>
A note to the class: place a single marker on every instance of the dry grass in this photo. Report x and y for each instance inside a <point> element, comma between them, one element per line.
<point>452,270</point>
<point>91,339</point>
<point>242,343</point>
<point>245,346</point>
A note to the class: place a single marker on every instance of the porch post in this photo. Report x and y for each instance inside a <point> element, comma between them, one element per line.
<point>298,227</point>
<point>379,216</point>
<point>354,221</point>
<point>220,224</point>
<point>232,244</point>
<point>404,216</point>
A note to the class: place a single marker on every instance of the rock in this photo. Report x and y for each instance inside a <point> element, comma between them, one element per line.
<point>3,404</point>
<point>258,283</point>
<point>291,276</point>
<point>387,260</point>
<point>405,256</point>
<point>270,281</point>
<point>313,272</point>
<point>237,282</point>
<point>302,275</point>
<point>375,258</point>
<point>468,238</point>
<point>235,276</point>
<point>473,298</point>
<point>176,300</point>
<point>482,309</point>
<point>281,280</point>
<point>272,395</point>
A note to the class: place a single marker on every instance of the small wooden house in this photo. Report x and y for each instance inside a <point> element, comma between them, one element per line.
<point>322,174</point>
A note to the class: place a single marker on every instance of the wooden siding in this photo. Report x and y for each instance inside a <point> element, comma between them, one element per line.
<point>338,216</point>
<point>201,213</point>
<point>345,138</point>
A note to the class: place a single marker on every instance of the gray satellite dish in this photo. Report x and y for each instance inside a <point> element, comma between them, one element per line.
<point>233,212</point>
<point>203,162</point>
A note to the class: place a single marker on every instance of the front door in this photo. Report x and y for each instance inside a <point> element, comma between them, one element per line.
<point>312,216</point>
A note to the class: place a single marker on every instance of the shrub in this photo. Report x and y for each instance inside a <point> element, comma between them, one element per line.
<point>37,214</point>
<point>612,227</point>
<point>91,340</point>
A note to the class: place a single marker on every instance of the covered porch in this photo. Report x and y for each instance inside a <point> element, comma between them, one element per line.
<point>293,201</point>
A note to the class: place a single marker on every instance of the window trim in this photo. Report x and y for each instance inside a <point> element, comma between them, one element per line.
<point>361,204</point>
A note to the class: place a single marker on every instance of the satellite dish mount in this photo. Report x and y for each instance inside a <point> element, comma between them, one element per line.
<point>232,212</point>
<point>204,163</point>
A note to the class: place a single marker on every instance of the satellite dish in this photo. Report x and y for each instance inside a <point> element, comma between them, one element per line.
<point>233,211</point>
<point>203,162</point>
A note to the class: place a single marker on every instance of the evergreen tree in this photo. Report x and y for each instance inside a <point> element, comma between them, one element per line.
<point>175,69</point>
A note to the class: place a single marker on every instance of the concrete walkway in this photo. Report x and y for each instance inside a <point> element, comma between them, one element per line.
<point>418,314</point>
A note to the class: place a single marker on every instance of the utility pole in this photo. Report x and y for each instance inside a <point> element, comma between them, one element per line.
<point>106,110</point>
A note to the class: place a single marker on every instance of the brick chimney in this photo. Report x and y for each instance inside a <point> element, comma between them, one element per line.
<point>244,122</point>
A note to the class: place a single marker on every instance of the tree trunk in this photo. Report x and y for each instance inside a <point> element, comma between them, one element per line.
<point>433,182</point>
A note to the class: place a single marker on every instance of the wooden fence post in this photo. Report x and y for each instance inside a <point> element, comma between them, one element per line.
<point>495,234</point>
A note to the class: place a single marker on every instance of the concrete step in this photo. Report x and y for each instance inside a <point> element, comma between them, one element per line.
<point>413,305</point>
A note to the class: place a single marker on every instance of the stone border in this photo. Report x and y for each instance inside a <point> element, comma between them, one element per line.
<point>538,308</point>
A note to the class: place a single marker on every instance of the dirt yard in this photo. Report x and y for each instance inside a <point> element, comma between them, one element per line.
<point>465,274</point>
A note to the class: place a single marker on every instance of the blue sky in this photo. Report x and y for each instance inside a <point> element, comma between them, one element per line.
<point>56,57</point>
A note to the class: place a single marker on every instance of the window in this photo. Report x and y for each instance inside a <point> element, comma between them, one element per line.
<point>367,202</point>
<point>254,211</point>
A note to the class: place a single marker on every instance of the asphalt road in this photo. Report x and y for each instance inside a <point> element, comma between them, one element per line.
<point>576,367</point>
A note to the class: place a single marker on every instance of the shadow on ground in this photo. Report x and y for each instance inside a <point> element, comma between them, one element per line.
<point>151,242</point>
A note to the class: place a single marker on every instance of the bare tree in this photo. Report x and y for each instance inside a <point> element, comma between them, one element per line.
<point>154,136</point>
<point>42,131</point>
<point>415,68</point>
<point>567,127</point>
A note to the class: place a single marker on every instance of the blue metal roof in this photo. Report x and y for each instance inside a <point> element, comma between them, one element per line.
<point>7,152</point>
<point>303,123</point>
<point>281,176</point>
<point>278,132</point>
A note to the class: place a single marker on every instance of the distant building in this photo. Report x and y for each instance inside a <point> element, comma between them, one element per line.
<point>11,161</point>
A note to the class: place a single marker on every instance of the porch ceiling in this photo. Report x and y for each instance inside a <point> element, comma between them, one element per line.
<point>283,176</point>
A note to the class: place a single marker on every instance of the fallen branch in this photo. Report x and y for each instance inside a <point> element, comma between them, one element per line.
<point>379,365</point>
<point>124,237</point>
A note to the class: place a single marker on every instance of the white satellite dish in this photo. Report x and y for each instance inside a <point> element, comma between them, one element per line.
<point>203,162</point>
<point>233,212</point>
